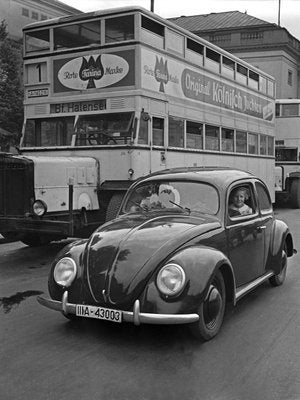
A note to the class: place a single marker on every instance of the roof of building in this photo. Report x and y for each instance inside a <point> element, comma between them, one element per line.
<point>222,20</point>
<point>59,5</point>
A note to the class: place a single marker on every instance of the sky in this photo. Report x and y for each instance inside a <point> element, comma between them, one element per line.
<point>267,10</point>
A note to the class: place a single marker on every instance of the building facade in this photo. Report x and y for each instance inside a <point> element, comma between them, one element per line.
<point>18,13</point>
<point>265,45</point>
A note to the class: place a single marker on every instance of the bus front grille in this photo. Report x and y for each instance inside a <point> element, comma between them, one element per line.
<point>16,185</point>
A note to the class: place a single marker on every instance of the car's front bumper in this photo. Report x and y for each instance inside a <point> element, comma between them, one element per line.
<point>134,316</point>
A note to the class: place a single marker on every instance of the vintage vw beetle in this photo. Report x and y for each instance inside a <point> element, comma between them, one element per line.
<point>175,254</point>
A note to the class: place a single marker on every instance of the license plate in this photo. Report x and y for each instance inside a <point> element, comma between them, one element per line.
<point>98,313</point>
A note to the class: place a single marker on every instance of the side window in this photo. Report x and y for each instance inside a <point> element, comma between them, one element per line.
<point>264,200</point>
<point>241,201</point>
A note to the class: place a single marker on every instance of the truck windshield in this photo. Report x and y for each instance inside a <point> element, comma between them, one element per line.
<point>90,130</point>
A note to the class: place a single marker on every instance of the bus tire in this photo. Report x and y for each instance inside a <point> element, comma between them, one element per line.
<point>295,193</point>
<point>113,206</point>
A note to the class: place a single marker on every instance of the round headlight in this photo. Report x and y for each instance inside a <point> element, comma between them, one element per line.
<point>39,208</point>
<point>171,279</point>
<point>65,271</point>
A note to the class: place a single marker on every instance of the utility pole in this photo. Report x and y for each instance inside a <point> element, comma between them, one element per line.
<point>279,6</point>
<point>152,6</point>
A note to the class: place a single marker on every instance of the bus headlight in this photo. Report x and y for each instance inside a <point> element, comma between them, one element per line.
<point>39,208</point>
<point>65,271</point>
<point>171,279</point>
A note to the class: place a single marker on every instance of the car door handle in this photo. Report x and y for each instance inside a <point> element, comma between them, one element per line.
<point>261,228</point>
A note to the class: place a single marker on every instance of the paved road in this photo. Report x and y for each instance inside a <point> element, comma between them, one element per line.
<point>45,357</point>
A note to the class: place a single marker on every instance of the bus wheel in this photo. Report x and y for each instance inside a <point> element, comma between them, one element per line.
<point>295,193</point>
<point>35,240</point>
<point>113,206</point>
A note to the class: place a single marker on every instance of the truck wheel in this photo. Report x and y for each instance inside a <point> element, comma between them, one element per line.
<point>113,206</point>
<point>35,240</point>
<point>295,193</point>
<point>11,236</point>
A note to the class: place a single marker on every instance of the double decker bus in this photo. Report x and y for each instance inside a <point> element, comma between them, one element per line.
<point>113,95</point>
<point>287,151</point>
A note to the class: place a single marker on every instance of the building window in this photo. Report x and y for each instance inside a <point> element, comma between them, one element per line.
<point>25,12</point>
<point>288,110</point>
<point>35,15</point>
<point>43,17</point>
<point>290,77</point>
<point>252,35</point>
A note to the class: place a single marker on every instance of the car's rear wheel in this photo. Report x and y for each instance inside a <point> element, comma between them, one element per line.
<point>211,311</point>
<point>277,280</point>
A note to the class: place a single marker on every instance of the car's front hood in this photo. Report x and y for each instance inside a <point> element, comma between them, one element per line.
<point>122,255</point>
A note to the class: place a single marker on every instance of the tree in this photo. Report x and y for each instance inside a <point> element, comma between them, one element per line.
<point>11,86</point>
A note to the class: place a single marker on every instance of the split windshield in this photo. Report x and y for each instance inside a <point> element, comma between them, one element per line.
<point>178,196</point>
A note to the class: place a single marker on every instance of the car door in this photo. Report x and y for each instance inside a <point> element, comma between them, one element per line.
<point>267,216</point>
<point>245,238</point>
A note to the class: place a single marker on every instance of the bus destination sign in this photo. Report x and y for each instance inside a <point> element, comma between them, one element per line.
<point>78,106</point>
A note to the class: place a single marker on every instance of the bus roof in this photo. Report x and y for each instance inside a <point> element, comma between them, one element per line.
<point>124,10</point>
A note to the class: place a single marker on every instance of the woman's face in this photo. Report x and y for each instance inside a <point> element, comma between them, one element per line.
<point>239,198</point>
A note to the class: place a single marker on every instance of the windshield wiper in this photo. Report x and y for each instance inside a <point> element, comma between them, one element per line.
<point>182,208</point>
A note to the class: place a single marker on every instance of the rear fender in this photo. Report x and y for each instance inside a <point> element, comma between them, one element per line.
<point>281,236</point>
<point>200,263</point>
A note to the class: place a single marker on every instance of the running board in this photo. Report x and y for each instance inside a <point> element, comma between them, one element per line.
<point>241,291</point>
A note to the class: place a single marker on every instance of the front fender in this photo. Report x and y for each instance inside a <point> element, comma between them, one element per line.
<point>200,264</point>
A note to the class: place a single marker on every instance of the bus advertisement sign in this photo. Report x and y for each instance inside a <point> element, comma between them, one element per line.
<point>94,71</point>
<point>174,79</point>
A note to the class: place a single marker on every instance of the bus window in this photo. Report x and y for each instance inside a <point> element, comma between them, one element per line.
<point>77,35</point>
<point>228,67</point>
<point>241,74</point>
<point>158,131</point>
<point>212,137</point>
<point>194,135</point>
<point>104,129</point>
<point>119,29</point>
<point>252,143</point>
<point>270,146</point>
<point>262,84</point>
<point>263,144</point>
<point>241,142</point>
<point>286,154</point>
<point>37,41</point>
<point>49,132</point>
<point>143,132</point>
<point>176,132</point>
<point>227,139</point>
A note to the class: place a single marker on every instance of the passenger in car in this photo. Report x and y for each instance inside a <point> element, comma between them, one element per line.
<point>237,204</point>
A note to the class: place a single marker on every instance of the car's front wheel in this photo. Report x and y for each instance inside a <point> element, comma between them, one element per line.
<point>211,311</point>
<point>277,280</point>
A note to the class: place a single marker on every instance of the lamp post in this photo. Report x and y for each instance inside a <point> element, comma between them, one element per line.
<point>279,6</point>
<point>152,6</point>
